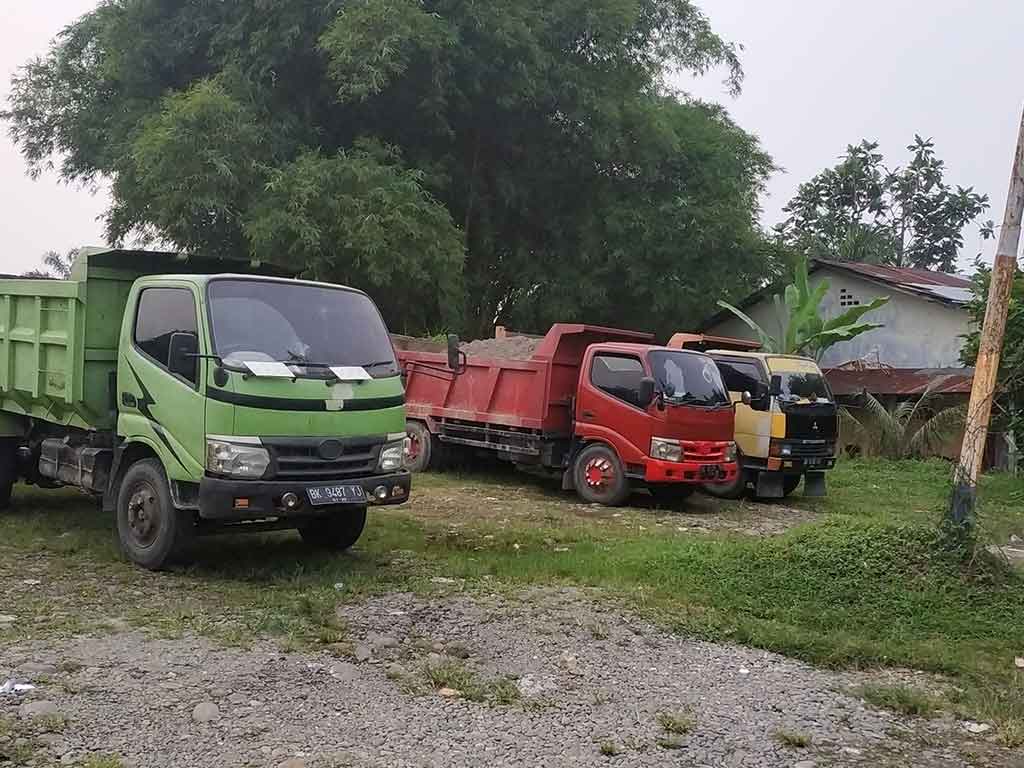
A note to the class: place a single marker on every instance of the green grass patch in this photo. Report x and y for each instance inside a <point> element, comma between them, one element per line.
<point>787,737</point>
<point>677,723</point>
<point>901,698</point>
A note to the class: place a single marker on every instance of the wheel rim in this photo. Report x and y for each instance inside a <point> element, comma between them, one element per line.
<point>145,518</point>
<point>599,474</point>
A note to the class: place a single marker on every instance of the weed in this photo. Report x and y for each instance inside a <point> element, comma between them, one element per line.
<point>597,630</point>
<point>677,723</point>
<point>103,761</point>
<point>610,749</point>
<point>505,691</point>
<point>900,698</point>
<point>54,723</point>
<point>451,674</point>
<point>790,738</point>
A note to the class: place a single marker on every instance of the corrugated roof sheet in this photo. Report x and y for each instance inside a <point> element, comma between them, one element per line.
<point>900,381</point>
<point>901,275</point>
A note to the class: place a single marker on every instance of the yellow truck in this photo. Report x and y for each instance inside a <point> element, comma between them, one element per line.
<point>788,432</point>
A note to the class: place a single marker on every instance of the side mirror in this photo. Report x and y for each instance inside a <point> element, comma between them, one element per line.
<point>454,353</point>
<point>181,355</point>
<point>746,398</point>
<point>775,388</point>
<point>646,391</point>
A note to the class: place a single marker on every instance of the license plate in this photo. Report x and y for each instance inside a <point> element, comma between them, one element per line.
<point>710,472</point>
<point>336,494</point>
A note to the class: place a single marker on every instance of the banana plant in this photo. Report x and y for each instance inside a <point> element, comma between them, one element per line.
<point>802,329</point>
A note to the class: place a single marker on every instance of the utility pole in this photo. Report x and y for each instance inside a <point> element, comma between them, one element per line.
<point>987,367</point>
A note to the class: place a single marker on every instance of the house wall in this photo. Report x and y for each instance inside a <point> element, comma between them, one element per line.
<point>918,333</point>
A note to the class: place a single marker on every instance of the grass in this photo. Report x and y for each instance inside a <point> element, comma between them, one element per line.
<point>793,739</point>
<point>676,723</point>
<point>103,761</point>
<point>868,582</point>
<point>901,698</point>
<point>610,749</point>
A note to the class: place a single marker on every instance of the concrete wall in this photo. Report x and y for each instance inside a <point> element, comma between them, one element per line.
<point>918,333</point>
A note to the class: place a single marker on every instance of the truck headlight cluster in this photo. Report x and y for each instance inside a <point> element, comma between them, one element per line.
<point>666,449</point>
<point>392,456</point>
<point>243,457</point>
<point>730,452</point>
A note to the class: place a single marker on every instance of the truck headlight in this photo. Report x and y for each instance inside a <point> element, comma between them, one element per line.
<point>730,452</point>
<point>392,456</point>
<point>778,448</point>
<point>236,457</point>
<point>665,449</point>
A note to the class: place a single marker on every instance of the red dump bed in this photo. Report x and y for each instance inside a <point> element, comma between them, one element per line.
<point>535,393</point>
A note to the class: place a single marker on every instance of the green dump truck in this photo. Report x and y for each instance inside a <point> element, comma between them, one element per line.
<point>192,401</point>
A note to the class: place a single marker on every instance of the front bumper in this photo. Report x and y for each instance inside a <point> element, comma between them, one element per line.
<point>218,496</point>
<point>796,465</point>
<point>660,471</point>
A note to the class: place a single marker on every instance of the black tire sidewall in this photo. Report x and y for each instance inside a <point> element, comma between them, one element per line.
<point>618,494</point>
<point>8,469</point>
<point>424,460</point>
<point>339,530</point>
<point>172,536</point>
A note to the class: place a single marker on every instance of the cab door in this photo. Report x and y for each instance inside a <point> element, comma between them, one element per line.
<point>608,404</point>
<point>754,421</point>
<point>160,401</point>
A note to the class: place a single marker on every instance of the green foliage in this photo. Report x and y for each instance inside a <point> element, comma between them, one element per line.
<point>901,698</point>
<point>1008,409</point>
<point>527,158</point>
<point>907,429</point>
<point>862,211</point>
<point>55,265</point>
<point>803,330</point>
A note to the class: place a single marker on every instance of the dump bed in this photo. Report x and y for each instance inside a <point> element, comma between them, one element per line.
<point>534,393</point>
<point>59,338</point>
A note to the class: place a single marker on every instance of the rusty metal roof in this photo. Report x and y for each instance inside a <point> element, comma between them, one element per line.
<point>900,381</point>
<point>938,286</point>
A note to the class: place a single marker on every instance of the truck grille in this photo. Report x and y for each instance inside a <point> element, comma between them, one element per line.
<point>706,451</point>
<point>322,458</point>
<point>810,448</point>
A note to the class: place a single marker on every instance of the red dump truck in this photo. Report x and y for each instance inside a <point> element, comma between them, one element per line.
<point>606,408</point>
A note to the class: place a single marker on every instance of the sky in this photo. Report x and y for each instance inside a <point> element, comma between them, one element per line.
<point>820,74</point>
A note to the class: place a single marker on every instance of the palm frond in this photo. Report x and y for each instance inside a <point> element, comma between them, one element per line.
<point>929,433</point>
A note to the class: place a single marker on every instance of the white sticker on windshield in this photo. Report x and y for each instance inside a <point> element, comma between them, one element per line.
<point>270,370</point>
<point>350,373</point>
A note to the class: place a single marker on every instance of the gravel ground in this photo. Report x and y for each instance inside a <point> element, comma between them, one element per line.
<point>579,681</point>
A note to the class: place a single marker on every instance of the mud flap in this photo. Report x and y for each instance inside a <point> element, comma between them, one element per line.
<point>769,485</point>
<point>814,484</point>
<point>568,482</point>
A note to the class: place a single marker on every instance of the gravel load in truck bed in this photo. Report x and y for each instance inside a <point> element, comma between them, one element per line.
<point>510,347</point>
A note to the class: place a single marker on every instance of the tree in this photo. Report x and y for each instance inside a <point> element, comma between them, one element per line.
<point>55,265</point>
<point>522,161</point>
<point>862,211</point>
<point>1008,407</point>
<point>906,429</point>
<point>802,329</point>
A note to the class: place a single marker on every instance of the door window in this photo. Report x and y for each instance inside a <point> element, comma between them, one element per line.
<point>618,376</point>
<point>163,312</point>
<point>740,376</point>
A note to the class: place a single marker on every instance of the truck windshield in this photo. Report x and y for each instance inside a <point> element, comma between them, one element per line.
<point>296,323</point>
<point>686,378</point>
<point>803,385</point>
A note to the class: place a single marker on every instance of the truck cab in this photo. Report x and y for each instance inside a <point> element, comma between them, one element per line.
<point>788,431</point>
<point>202,402</point>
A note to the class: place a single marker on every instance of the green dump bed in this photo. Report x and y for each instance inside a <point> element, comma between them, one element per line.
<point>59,338</point>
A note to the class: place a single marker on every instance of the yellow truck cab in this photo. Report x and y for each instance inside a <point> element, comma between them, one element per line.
<point>788,431</point>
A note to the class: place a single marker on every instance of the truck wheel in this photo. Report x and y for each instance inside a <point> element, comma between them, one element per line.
<point>339,531</point>
<point>734,489</point>
<point>790,484</point>
<point>599,476</point>
<point>152,532</point>
<point>670,494</point>
<point>8,470</point>
<point>419,449</point>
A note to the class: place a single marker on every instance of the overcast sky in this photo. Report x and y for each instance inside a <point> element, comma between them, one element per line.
<point>821,74</point>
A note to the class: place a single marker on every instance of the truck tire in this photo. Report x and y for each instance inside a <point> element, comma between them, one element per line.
<point>152,532</point>
<point>790,483</point>
<point>419,451</point>
<point>736,489</point>
<point>671,494</point>
<point>8,469</point>
<point>600,477</point>
<point>339,531</point>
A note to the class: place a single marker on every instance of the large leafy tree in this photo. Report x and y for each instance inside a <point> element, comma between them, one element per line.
<point>464,162</point>
<point>1008,408</point>
<point>860,210</point>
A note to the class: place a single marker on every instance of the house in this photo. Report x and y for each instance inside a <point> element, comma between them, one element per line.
<point>918,346</point>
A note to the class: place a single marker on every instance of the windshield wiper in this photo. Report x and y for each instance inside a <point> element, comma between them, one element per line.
<point>376,363</point>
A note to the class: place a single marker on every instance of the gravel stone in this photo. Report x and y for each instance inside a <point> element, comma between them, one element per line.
<point>41,708</point>
<point>362,653</point>
<point>206,712</point>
